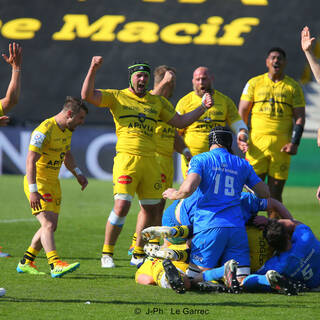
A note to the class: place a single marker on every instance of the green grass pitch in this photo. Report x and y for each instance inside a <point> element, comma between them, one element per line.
<point>113,294</point>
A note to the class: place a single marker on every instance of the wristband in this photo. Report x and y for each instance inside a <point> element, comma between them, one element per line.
<point>77,171</point>
<point>33,187</point>
<point>17,70</point>
<point>202,103</point>
<point>296,134</point>
<point>186,149</point>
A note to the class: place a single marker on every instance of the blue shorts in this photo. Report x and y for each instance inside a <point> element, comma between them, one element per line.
<point>211,248</point>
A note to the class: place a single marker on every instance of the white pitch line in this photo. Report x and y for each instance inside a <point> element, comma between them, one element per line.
<point>17,220</point>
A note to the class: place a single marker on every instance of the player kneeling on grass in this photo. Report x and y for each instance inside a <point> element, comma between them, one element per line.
<point>49,148</point>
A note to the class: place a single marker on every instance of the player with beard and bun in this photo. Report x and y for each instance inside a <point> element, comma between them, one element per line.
<point>223,112</point>
<point>217,177</point>
<point>49,147</point>
<point>135,112</point>
<point>277,107</point>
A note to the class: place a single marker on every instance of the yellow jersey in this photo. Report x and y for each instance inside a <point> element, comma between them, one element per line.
<point>52,143</point>
<point>221,113</point>
<point>273,104</point>
<point>1,110</point>
<point>136,119</point>
<point>164,139</point>
<point>260,250</point>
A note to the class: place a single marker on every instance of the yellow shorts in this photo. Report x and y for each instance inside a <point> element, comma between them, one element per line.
<point>167,170</point>
<point>50,190</point>
<point>265,156</point>
<point>260,251</point>
<point>136,174</point>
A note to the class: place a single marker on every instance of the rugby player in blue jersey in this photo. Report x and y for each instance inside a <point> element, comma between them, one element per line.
<point>217,178</point>
<point>297,258</point>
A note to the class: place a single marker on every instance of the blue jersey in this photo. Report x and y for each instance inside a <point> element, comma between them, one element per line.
<point>249,202</point>
<point>302,261</point>
<point>251,205</point>
<point>187,210</point>
<point>223,176</point>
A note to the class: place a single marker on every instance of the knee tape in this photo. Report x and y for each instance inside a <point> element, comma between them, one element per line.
<point>115,220</point>
<point>122,196</point>
<point>149,201</point>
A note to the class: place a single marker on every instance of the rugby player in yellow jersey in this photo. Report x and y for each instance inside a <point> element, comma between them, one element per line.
<point>223,112</point>
<point>166,138</point>
<point>50,147</point>
<point>135,112</point>
<point>155,272</point>
<point>277,107</point>
<point>13,92</point>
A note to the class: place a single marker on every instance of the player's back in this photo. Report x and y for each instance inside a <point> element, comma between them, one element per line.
<point>304,257</point>
<point>223,176</point>
<point>302,261</point>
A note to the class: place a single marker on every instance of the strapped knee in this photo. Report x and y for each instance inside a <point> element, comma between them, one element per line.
<point>115,220</point>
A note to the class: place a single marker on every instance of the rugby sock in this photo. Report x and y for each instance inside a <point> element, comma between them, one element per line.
<point>29,255</point>
<point>155,241</point>
<point>256,282</point>
<point>182,255</point>
<point>138,252</point>
<point>53,258</point>
<point>134,240</point>
<point>180,232</point>
<point>163,281</point>
<point>108,249</point>
<point>213,274</point>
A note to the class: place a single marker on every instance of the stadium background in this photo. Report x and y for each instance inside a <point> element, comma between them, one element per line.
<point>230,37</point>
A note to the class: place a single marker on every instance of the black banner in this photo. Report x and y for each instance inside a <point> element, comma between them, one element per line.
<point>59,38</point>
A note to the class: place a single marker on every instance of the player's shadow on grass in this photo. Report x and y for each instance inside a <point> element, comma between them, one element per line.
<point>92,276</point>
<point>237,304</point>
<point>92,258</point>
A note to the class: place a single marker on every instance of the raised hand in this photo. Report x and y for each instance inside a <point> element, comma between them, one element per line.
<point>306,40</point>
<point>96,62</point>
<point>15,56</point>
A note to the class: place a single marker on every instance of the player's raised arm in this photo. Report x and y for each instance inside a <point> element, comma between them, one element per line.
<point>88,91</point>
<point>13,92</point>
<point>306,45</point>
